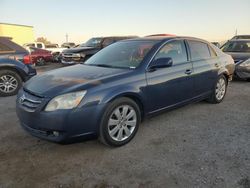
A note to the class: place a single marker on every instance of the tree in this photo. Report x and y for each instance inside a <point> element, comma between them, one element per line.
<point>43,40</point>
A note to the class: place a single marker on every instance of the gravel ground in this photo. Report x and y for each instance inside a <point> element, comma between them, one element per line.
<point>199,145</point>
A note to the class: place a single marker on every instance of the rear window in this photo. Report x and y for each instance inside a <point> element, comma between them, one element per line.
<point>8,46</point>
<point>4,48</point>
<point>199,50</point>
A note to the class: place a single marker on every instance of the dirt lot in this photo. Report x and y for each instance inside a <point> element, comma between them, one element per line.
<point>199,145</point>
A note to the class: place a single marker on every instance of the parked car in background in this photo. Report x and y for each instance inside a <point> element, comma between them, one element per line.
<point>115,89</point>
<point>53,48</point>
<point>239,49</point>
<point>40,56</point>
<point>241,37</point>
<point>86,50</point>
<point>68,45</point>
<point>15,67</point>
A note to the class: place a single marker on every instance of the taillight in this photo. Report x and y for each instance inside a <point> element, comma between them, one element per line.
<point>27,59</point>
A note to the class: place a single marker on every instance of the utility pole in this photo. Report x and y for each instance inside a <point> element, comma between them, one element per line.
<point>236,32</point>
<point>67,36</point>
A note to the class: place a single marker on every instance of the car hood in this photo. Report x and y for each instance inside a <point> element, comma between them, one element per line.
<point>70,79</point>
<point>78,49</point>
<point>239,56</point>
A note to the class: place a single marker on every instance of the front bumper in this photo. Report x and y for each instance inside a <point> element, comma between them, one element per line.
<point>242,72</point>
<point>67,124</point>
<point>69,62</point>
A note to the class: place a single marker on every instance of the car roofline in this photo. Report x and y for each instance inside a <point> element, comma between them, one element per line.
<point>164,38</point>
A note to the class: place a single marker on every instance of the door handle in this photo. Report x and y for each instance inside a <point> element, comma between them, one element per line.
<point>188,71</point>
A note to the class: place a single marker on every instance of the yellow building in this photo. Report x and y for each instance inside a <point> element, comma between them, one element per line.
<point>20,34</point>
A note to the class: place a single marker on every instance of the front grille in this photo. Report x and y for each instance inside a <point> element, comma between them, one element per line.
<point>71,57</point>
<point>29,101</point>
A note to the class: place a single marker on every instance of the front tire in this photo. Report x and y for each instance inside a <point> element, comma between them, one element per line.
<point>120,122</point>
<point>10,83</point>
<point>219,90</point>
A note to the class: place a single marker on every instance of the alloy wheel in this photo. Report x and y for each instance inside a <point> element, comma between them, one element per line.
<point>8,83</point>
<point>122,122</point>
<point>220,89</point>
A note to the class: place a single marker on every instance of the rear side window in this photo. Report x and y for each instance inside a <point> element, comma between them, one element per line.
<point>199,50</point>
<point>176,50</point>
<point>4,48</point>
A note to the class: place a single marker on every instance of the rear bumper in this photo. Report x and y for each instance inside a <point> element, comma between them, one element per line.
<point>30,72</point>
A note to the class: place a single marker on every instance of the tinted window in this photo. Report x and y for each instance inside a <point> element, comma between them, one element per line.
<point>199,50</point>
<point>39,45</point>
<point>4,48</point>
<point>107,42</point>
<point>176,50</point>
<point>127,54</point>
<point>236,46</point>
<point>93,42</point>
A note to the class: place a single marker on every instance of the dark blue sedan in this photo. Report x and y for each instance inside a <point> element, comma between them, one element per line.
<point>114,90</point>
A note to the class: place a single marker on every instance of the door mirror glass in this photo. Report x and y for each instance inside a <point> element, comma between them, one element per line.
<point>161,63</point>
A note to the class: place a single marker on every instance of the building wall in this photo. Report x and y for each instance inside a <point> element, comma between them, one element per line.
<point>19,33</point>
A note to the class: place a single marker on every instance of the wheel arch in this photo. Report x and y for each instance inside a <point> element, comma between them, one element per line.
<point>133,96</point>
<point>14,69</point>
<point>225,73</point>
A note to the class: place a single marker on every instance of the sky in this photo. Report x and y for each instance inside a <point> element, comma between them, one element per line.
<point>213,20</point>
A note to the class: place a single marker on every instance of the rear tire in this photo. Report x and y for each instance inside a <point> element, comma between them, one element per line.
<point>120,122</point>
<point>219,90</point>
<point>10,83</point>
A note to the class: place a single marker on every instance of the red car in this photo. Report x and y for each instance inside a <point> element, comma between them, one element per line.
<point>40,56</point>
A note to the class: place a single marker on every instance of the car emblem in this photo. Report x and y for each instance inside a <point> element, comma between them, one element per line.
<point>22,99</point>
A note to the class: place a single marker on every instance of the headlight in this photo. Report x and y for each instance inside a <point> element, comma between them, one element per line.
<point>245,63</point>
<point>66,101</point>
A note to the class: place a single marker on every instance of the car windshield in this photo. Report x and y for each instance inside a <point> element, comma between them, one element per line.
<point>126,54</point>
<point>94,42</point>
<point>236,46</point>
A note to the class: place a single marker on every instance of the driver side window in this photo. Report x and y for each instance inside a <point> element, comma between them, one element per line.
<point>176,50</point>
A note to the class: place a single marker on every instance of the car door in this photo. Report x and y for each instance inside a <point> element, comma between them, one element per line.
<point>173,85</point>
<point>205,64</point>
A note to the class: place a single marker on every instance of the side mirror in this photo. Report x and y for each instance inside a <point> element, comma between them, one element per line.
<point>161,63</point>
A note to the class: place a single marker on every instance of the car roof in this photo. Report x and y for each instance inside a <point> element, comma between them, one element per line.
<point>242,36</point>
<point>166,38</point>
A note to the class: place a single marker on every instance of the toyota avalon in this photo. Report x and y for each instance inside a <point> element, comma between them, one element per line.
<point>113,91</point>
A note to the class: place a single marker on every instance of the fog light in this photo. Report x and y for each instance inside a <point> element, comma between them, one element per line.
<point>55,133</point>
